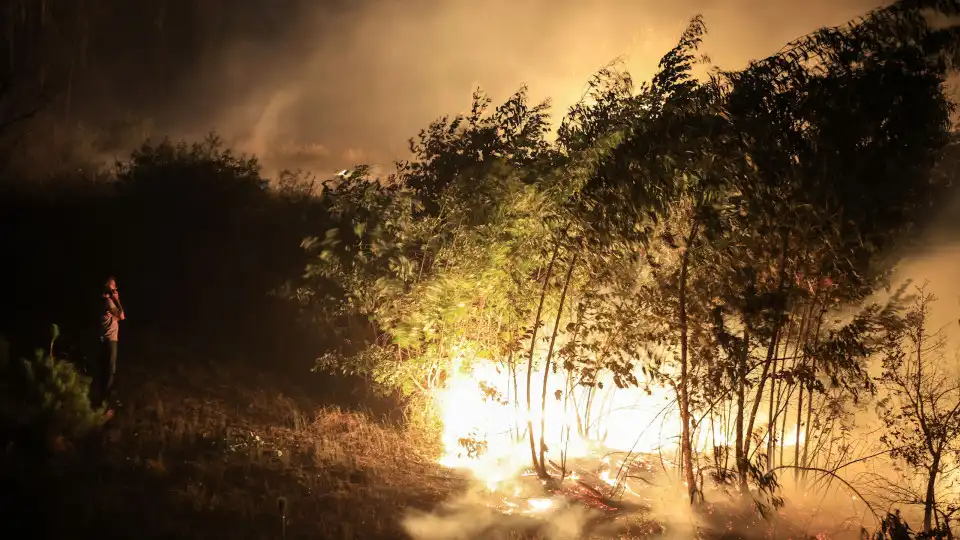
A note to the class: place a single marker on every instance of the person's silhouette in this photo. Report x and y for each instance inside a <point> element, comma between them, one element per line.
<point>111,315</point>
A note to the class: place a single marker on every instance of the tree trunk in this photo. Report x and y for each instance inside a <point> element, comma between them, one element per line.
<point>771,408</point>
<point>813,373</point>
<point>513,397</point>
<point>537,465</point>
<point>565,426</point>
<point>576,410</point>
<point>686,445</point>
<point>607,411</point>
<point>741,397</point>
<point>546,367</point>
<point>588,410</point>
<point>796,443</point>
<point>930,500</point>
<point>799,359</point>
<point>771,347</point>
<point>806,439</point>
<point>785,401</point>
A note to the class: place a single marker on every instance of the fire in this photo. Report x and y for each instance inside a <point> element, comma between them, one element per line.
<point>485,420</point>
<point>539,505</point>
<point>602,432</point>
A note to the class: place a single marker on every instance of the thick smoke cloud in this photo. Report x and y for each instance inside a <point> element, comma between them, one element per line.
<point>342,82</point>
<point>325,85</point>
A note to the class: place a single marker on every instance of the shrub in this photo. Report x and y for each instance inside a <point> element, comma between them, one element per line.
<point>49,398</point>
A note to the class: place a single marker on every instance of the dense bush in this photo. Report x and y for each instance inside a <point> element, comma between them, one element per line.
<point>45,401</point>
<point>197,238</point>
<point>57,395</point>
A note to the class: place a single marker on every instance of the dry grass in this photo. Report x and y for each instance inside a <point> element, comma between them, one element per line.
<point>204,453</point>
<point>209,453</point>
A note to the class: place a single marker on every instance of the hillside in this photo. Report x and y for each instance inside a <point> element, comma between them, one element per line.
<point>202,452</point>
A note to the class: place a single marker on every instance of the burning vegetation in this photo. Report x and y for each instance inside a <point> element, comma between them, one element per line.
<point>674,316</point>
<point>672,304</point>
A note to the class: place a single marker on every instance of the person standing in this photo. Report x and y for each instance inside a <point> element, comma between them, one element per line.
<point>111,316</point>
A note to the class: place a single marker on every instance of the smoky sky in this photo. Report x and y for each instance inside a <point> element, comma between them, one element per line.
<point>324,85</point>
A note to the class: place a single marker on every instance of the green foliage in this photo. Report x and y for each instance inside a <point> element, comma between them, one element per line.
<point>226,182</point>
<point>49,395</point>
<point>58,396</point>
<point>719,228</point>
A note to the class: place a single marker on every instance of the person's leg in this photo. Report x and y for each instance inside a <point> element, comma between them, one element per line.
<point>113,369</point>
<point>108,367</point>
<point>103,363</point>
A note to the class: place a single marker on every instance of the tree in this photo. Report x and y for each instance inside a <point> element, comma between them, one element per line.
<point>46,400</point>
<point>920,408</point>
<point>702,232</point>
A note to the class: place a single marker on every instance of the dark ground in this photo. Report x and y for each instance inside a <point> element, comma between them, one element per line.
<point>196,451</point>
<point>203,450</point>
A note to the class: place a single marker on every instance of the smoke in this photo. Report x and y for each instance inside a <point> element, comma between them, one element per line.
<point>531,513</point>
<point>322,85</point>
<point>470,516</point>
<point>350,85</point>
<point>330,85</point>
<point>657,508</point>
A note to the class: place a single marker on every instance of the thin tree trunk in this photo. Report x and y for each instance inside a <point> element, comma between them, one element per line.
<point>741,396</point>
<point>813,373</point>
<point>537,465</point>
<point>512,397</point>
<point>823,435</point>
<point>576,411</point>
<point>783,424</point>
<point>565,427</point>
<point>607,412</point>
<point>930,500</point>
<point>602,412</point>
<point>591,392</point>
<point>806,440</point>
<point>771,347</point>
<point>796,445</point>
<point>798,360</point>
<point>686,445</point>
<point>771,415</point>
<point>726,435</point>
<point>553,342</point>
<point>776,397</point>
<point>516,398</point>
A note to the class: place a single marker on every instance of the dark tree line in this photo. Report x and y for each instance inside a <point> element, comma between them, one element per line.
<point>199,240</point>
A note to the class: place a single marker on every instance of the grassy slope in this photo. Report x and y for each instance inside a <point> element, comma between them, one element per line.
<point>202,453</point>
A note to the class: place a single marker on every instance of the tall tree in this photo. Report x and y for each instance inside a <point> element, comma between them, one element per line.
<point>921,406</point>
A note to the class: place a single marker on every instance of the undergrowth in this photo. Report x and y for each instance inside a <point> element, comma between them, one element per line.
<point>201,452</point>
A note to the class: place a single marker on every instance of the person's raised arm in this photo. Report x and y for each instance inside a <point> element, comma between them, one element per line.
<point>114,307</point>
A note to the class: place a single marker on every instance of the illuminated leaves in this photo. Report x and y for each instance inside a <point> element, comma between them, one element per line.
<point>762,201</point>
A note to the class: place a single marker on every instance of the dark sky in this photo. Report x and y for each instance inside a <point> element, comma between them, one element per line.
<point>326,84</point>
